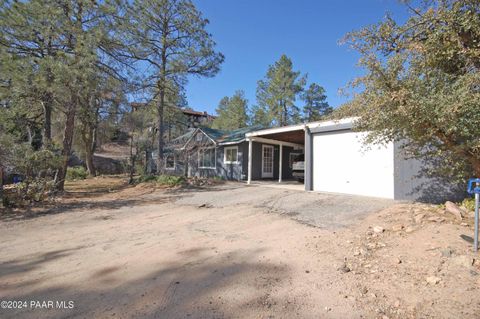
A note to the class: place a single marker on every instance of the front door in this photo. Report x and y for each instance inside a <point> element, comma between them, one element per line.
<point>267,161</point>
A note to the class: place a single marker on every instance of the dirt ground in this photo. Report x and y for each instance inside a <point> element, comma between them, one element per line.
<point>108,250</point>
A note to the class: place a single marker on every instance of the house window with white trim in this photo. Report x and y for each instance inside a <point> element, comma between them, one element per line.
<point>230,155</point>
<point>170,161</point>
<point>206,158</point>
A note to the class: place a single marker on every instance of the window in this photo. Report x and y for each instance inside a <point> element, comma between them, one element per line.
<point>199,137</point>
<point>206,158</point>
<point>231,155</point>
<point>170,161</point>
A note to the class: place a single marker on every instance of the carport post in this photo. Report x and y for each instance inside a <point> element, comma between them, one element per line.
<point>280,164</point>
<point>249,179</point>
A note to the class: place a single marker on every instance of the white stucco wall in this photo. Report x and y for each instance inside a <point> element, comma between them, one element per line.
<point>342,164</point>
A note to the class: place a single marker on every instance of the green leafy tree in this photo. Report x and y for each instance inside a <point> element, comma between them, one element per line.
<point>422,84</point>
<point>316,105</point>
<point>277,92</point>
<point>232,112</point>
<point>170,36</point>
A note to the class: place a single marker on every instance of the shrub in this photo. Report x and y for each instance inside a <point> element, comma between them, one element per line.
<point>26,192</point>
<point>170,180</point>
<point>468,203</point>
<point>167,180</point>
<point>147,178</point>
<point>77,172</point>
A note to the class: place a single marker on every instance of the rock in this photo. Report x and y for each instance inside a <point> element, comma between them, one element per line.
<point>447,252</point>
<point>397,260</point>
<point>433,280</point>
<point>418,218</point>
<point>436,219</point>
<point>453,209</point>
<point>327,309</point>
<point>344,269</point>
<point>378,229</point>
<point>397,227</point>
<point>409,229</point>
<point>463,260</point>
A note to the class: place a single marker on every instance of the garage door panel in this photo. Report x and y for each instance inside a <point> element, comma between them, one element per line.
<point>342,164</point>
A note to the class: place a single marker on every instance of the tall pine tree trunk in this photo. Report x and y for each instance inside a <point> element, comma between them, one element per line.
<point>67,146</point>
<point>160,130</point>
<point>47,119</point>
<point>161,106</point>
<point>88,142</point>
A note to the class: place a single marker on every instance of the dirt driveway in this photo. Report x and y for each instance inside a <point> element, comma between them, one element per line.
<point>231,252</point>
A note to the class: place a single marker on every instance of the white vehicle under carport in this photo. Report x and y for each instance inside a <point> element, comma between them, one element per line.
<point>298,167</point>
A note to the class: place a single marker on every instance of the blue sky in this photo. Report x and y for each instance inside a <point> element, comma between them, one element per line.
<point>254,34</point>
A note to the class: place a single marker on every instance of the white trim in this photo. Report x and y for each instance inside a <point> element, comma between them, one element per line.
<point>211,139</point>
<point>268,174</point>
<point>194,134</point>
<point>215,158</point>
<point>280,155</point>
<point>232,143</point>
<point>174,162</point>
<point>347,120</point>
<point>225,155</point>
<point>275,142</point>
<point>276,130</point>
<point>249,178</point>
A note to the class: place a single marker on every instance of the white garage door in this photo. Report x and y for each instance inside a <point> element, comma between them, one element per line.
<point>342,164</point>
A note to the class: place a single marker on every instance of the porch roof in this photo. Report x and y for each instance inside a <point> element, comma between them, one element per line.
<point>291,134</point>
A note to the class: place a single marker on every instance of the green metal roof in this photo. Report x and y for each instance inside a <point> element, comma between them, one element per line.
<point>219,136</point>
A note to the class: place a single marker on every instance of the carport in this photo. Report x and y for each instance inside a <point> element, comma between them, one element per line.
<point>338,161</point>
<point>262,147</point>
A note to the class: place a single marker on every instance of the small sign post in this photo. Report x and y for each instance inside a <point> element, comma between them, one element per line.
<point>475,189</point>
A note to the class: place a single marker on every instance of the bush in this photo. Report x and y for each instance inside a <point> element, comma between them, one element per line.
<point>468,203</point>
<point>77,172</point>
<point>26,192</point>
<point>168,180</point>
<point>147,178</point>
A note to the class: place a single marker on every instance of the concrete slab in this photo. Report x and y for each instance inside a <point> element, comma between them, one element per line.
<point>289,184</point>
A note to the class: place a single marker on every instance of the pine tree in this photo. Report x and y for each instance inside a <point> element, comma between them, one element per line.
<point>277,92</point>
<point>170,36</point>
<point>231,112</point>
<point>316,105</point>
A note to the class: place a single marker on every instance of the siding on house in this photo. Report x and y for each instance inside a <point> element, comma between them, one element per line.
<point>238,171</point>
<point>412,181</point>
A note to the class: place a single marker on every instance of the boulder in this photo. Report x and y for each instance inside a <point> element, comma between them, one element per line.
<point>463,260</point>
<point>397,227</point>
<point>378,229</point>
<point>433,280</point>
<point>453,209</point>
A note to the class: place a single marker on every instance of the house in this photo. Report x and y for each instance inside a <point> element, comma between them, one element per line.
<point>193,119</point>
<point>197,119</point>
<point>207,152</point>
<point>336,160</point>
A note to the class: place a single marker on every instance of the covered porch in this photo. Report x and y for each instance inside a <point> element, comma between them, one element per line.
<point>271,152</point>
